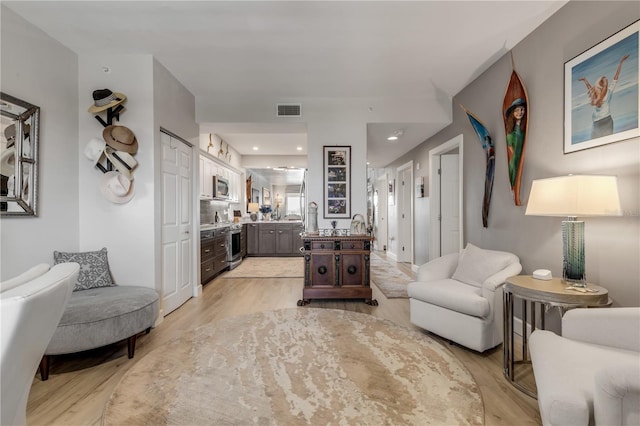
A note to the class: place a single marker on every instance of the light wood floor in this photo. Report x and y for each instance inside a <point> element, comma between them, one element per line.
<point>80,384</point>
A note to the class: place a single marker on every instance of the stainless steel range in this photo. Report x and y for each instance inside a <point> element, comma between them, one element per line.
<point>235,248</point>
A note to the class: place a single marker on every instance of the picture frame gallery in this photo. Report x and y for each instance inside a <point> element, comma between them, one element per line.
<point>337,182</point>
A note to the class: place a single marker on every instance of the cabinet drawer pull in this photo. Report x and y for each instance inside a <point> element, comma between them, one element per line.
<point>207,250</point>
<point>321,245</point>
<point>221,245</point>
<point>207,270</point>
<point>322,270</point>
<point>352,269</point>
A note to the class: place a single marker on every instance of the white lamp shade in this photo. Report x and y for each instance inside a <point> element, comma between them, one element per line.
<point>574,195</point>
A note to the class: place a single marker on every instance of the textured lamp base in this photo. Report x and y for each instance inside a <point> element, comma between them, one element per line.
<point>573,253</point>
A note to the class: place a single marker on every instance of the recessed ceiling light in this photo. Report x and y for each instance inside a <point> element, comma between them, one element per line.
<point>255,148</point>
<point>395,135</point>
<point>299,148</point>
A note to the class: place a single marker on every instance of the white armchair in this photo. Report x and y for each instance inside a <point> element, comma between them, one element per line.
<point>591,374</point>
<point>459,296</point>
<point>31,306</point>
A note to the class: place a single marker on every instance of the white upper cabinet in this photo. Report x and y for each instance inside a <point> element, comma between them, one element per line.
<point>206,177</point>
<point>209,169</point>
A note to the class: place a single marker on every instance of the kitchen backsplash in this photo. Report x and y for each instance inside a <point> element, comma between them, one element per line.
<point>208,209</point>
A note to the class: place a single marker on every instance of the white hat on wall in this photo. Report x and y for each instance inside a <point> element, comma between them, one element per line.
<point>116,187</point>
<point>94,150</point>
<point>122,161</point>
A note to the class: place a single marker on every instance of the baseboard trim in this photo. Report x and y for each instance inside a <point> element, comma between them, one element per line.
<point>517,327</point>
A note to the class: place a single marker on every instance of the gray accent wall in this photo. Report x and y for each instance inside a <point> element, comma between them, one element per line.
<point>612,244</point>
<point>42,71</point>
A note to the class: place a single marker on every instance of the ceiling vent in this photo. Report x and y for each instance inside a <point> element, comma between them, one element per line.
<point>289,110</point>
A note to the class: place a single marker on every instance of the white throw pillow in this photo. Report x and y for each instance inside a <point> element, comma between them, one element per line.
<point>476,265</point>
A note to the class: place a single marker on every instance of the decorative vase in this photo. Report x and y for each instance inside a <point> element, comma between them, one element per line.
<point>312,225</point>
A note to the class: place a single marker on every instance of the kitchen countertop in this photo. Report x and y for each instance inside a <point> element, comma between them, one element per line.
<point>209,226</point>
<point>275,221</point>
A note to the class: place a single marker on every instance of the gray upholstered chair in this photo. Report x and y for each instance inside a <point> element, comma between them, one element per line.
<point>30,306</point>
<point>459,296</point>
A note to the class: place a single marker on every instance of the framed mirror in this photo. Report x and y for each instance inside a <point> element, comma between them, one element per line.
<point>19,134</point>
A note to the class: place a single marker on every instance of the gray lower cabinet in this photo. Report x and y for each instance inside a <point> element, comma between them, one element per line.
<point>267,238</point>
<point>213,253</point>
<point>274,239</point>
<point>252,239</point>
<point>284,238</point>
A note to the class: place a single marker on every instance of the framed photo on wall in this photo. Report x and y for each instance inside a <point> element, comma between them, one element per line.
<point>601,93</point>
<point>337,182</point>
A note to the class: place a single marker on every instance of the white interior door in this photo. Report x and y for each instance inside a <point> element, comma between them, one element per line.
<point>449,204</point>
<point>177,252</point>
<point>404,189</point>
<point>452,146</point>
<point>381,205</point>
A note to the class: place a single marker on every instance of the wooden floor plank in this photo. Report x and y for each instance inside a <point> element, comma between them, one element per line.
<point>80,384</point>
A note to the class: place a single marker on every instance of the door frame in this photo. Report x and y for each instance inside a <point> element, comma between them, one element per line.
<point>382,189</point>
<point>409,204</point>
<point>434,192</point>
<point>195,212</point>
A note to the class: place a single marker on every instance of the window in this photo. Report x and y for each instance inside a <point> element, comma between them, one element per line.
<point>292,203</point>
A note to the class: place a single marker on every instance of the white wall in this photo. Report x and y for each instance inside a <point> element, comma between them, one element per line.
<point>329,122</point>
<point>126,230</point>
<point>612,244</point>
<point>203,143</point>
<point>174,110</point>
<point>41,71</point>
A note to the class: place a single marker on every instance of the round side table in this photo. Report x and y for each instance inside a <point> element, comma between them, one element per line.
<point>543,294</point>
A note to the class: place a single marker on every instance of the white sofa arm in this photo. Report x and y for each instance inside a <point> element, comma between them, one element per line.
<point>439,268</point>
<point>498,279</point>
<point>618,327</point>
<point>616,397</point>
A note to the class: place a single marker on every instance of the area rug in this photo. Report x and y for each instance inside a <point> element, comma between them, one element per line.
<point>388,278</point>
<point>268,267</point>
<point>298,366</point>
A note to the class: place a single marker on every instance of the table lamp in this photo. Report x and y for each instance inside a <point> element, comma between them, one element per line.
<point>572,196</point>
<point>253,208</point>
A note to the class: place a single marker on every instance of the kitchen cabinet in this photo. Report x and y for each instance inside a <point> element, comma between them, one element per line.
<point>284,238</point>
<point>274,238</point>
<point>267,239</point>
<point>213,253</point>
<point>252,239</point>
<point>210,168</point>
<point>206,177</point>
<point>243,241</point>
<point>234,187</point>
<point>337,267</point>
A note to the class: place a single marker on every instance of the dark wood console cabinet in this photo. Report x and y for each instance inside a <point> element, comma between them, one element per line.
<point>336,268</point>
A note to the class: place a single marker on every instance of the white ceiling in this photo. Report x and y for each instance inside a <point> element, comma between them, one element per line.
<point>303,49</point>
